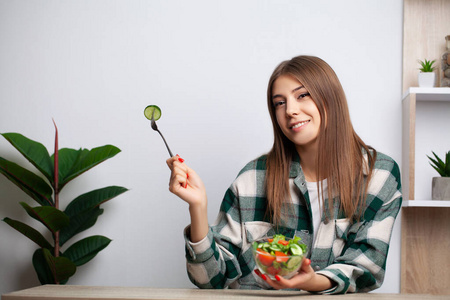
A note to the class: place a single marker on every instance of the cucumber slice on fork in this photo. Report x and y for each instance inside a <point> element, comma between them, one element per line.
<point>152,110</point>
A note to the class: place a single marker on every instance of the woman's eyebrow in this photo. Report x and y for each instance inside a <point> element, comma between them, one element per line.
<point>298,88</point>
<point>293,91</point>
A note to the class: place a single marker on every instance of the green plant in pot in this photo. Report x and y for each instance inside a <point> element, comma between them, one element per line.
<point>441,185</point>
<point>52,264</point>
<point>427,77</point>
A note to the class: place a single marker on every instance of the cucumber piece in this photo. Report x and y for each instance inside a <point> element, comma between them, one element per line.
<point>294,262</point>
<point>152,109</point>
<point>275,247</point>
<point>296,249</point>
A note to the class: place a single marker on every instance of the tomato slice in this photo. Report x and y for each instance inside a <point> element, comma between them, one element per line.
<point>281,257</point>
<point>284,243</point>
<point>265,258</point>
<point>273,271</point>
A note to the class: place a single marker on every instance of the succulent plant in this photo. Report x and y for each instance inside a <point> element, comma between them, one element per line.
<point>427,66</point>
<point>443,168</point>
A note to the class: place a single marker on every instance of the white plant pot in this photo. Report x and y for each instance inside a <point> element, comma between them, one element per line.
<point>440,188</point>
<point>427,79</point>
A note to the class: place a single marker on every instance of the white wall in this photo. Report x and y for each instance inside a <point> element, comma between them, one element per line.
<point>93,66</point>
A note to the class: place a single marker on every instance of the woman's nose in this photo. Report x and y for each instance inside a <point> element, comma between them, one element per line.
<point>291,107</point>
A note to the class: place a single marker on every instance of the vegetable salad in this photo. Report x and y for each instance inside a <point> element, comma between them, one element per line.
<point>278,256</point>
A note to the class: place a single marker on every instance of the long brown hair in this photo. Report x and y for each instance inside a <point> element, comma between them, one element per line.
<point>340,158</point>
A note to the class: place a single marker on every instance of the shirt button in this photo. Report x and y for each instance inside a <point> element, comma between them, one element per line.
<point>317,268</point>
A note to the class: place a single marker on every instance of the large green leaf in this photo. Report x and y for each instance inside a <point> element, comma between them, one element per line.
<point>61,267</point>
<point>52,218</point>
<point>68,158</point>
<point>33,185</point>
<point>33,151</point>
<point>92,199</point>
<point>75,163</point>
<point>84,210</point>
<point>41,267</point>
<point>79,223</point>
<point>86,249</point>
<point>29,232</point>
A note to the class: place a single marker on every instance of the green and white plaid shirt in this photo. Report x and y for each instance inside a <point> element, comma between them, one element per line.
<point>353,255</point>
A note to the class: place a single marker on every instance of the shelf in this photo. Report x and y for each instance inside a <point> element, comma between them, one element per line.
<point>409,104</point>
<point>429,94</point>
<point>426,203</point>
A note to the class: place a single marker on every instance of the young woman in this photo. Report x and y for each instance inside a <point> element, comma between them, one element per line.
<point>320,182</point>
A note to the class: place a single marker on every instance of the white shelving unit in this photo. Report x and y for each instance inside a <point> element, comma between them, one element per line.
<point>410,99</point>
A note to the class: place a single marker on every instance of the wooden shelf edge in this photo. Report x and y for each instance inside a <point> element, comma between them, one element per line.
<point>426,203</point>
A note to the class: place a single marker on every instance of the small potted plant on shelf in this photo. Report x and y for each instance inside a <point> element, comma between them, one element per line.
<point>441,185</point>
<point>427,77</point>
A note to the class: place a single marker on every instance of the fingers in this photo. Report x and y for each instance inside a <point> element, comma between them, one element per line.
<point>264,277</point>
<point>180,173</point>
<point>271,282</point>
<point>177,162</point>
<point>306,266</point>
<point>170,162</point>
<point>305,274</point>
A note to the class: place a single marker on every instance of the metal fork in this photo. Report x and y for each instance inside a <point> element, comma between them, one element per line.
<point>154,127</point>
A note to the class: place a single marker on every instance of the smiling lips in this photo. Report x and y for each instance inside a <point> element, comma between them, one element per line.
<point>299,124</point>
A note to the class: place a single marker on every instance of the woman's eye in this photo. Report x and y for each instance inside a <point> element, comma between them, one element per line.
<point>303,95</point>
<point>278,103</point>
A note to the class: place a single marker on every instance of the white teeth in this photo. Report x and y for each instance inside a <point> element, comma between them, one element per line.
<point>299,124</point>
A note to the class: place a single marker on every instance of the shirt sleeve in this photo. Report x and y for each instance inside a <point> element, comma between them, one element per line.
<point>213,261</point>
<point>360,266</point>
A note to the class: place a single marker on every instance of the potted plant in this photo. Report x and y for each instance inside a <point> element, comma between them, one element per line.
<point>52,264</point>
<point>427,77</point>
<point>441,185</point>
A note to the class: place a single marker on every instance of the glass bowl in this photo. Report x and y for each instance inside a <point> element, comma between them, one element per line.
<point>272,261</point>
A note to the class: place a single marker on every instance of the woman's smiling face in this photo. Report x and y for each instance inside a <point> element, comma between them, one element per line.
<point>295,111</point>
